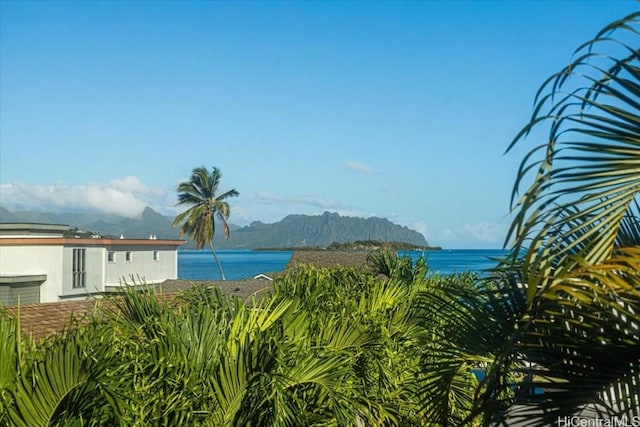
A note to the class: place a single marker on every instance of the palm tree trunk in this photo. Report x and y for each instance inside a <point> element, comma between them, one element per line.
<point>215,255</point>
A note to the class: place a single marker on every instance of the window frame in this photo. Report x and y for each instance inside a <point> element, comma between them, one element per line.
<point>79,268</point>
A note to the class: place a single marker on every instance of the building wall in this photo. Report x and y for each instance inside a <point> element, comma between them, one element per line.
<point>36,259</point>
<point>40,250</point>
<point>56,262</point>
<point>142,265</point>
<point>95,259</point>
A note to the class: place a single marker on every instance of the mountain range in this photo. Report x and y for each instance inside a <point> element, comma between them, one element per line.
<point>291,231</point>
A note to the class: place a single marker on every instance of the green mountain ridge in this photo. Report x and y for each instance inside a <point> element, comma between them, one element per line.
<point>292,231</point>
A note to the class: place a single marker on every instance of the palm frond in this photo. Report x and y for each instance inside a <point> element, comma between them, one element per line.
<point>579,345</point>
<point>60,385</point>
<point>11,351</point>
<point>575,241</point>
<point>467,320</point>
<point>591,164</point>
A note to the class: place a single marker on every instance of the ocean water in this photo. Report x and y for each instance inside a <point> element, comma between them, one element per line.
<point>237,264</point>
<point>242,264</point>
<point>451,261</point>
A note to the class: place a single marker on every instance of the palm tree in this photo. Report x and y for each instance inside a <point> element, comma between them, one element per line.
<point>199,220</point>
<point>576,242</point>
<point>202,359</point>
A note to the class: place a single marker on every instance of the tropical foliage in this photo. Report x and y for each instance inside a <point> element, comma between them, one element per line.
<point>326,347</point>
<point>577,242</point>
<point>552,331</point>
<point>200,192</point>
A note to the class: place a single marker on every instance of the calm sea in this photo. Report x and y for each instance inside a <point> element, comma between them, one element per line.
<point>451,261</point>
<point>241,264</point>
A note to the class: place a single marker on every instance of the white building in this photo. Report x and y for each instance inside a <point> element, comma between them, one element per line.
<point>39,264</point>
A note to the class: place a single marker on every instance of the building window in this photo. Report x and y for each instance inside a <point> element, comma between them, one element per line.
<point>156,255</point>
<point>79,273</point>
<point>111,256</point>
<point>128,256</point>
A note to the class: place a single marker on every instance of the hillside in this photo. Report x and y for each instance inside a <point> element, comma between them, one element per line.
<point>292,231</point>
<point>321,231</point>
<point>7,216</point>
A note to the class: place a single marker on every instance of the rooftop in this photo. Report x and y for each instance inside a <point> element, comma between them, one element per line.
<point>44,319</point>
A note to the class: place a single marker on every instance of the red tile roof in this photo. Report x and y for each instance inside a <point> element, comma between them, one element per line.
<point>41,320</point>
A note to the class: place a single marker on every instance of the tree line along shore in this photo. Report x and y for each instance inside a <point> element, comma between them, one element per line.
<point>359,245</point>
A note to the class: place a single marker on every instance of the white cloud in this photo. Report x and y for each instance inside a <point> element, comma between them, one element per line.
<point>320,206</point>
<point>359,167</point>
<point>298,200</point>
<point>127,196</point>
<point>482,235</point>
<point>486,232</point>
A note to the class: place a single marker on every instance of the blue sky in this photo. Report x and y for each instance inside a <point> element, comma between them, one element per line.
<point>393,109</point>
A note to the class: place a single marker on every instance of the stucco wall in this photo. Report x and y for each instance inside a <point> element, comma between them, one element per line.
<point>55,260</point>
<point>141,265</point>
<point>29,259</point>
